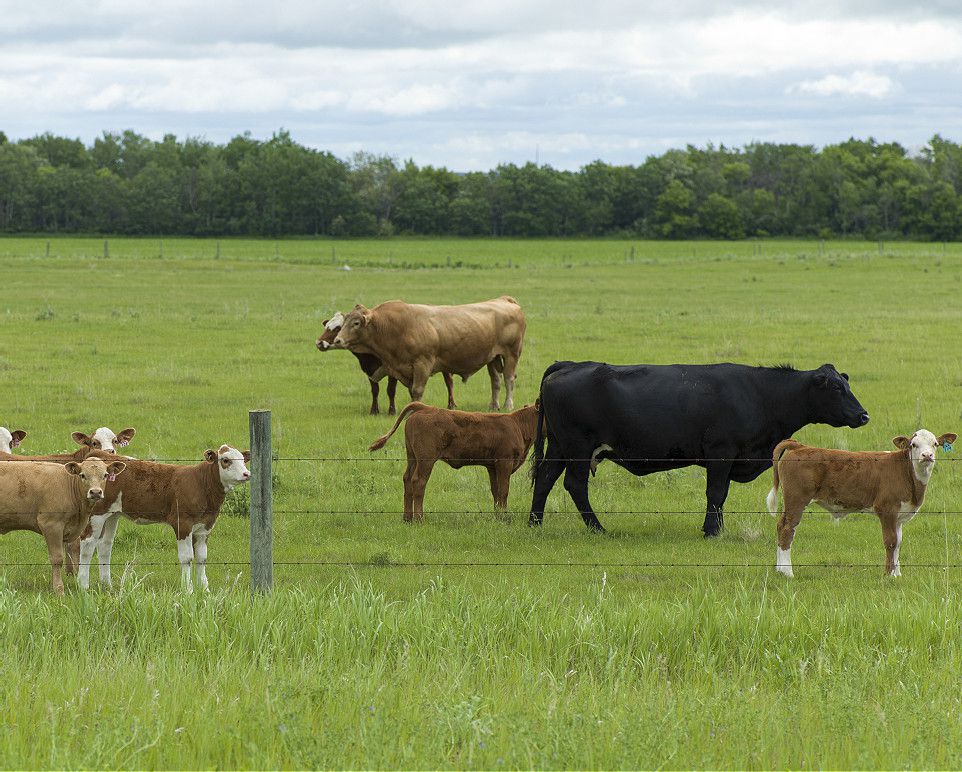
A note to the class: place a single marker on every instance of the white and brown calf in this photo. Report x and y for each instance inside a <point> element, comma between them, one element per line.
<point>187,498</point>
<point>54,500</point>
<point>10,440</point>
<point>104,439</point>
<point>891,484</point>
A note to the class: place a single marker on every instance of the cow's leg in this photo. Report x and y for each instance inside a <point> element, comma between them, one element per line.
<point>409,489</point>
<point>892,538</point>
<point>419,481</point>
<point>391,391</point>
<point>576,483</point>
<point>200,534</point>
<point>185,554</point>
<point>499,474</point>
<point>419,380</point>
<point>495,385</point>
<point>53,534</point>
<point>785,532</point>
<point>88,545</point>
<point>716,491</point>
<point>510,368</point>
<point>549,470</point>
<point>375,390</point>
<point>449,385</point>
<point>72,551</point>
<point>105,547</point>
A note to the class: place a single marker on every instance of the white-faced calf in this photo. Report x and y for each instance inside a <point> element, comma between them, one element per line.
<point>891,484</point>
<point>9,440</point>
<point>499,443</point>
<point>104,439</point>
<point>187,498</point>
<point>54,500</point>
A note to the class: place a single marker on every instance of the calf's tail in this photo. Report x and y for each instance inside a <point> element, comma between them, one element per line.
<point>413,407</point>
<point>771,501</point>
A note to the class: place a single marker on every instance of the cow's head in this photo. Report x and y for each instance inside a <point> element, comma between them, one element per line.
<point>832,401</point>
<point>230,464</point>
<point>354,328</point>
<point>921,447</point>
<point>9,440</point>
<point>332,327</point>
<point>93,473</point>
<point>104,439</point>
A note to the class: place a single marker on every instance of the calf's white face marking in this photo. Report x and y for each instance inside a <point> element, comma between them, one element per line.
<point>230,464</point>
<point>922,446</point>
<point>9,440</point>
<point>104,439</point>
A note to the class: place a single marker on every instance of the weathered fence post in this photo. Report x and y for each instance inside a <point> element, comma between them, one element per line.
<point>262,560</point>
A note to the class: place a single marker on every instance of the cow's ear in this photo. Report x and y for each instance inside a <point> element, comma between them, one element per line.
<point>948,437</point>
<point>124,438</point>
<point>72,467</point>
<point>210,456</point>
<point>17,437</point>
<point>247,456</point>
<point>359,307</point>
<point>116,468</point>
<point>81,439</point>
<point>845,376</point>
<point>901,442</point>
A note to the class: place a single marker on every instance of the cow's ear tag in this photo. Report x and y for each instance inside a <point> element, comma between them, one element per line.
<point>947,446</point>
<point>124,443</point>
<point>111,478</point>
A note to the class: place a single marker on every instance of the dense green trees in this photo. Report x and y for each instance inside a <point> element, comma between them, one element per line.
<point>128,184</point>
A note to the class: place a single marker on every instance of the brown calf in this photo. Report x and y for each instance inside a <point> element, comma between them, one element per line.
<point>54,500</point>
<point>187,498</point>
<point>890,484</point>
<point>498,442</point>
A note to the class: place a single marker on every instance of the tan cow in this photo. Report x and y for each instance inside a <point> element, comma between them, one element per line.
<point>9,440</point>
<point>187,498</point>
<point>415,341</point>
<point>372,367</point>
<point>54,500</point>
<point>891,484</point>
<point>498,442</point>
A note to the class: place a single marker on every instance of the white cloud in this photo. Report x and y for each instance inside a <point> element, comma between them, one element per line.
<point>858,84</point>
<point>409,77</point>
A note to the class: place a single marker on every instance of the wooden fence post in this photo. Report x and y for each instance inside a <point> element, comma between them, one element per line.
<point>262,559</point>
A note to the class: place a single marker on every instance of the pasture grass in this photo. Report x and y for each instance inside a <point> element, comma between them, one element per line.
<point>653,648</point>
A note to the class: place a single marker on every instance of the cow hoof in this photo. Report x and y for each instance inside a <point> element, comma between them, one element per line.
<point>534,522</point>
<point>392,411</point>
<point>713,534</point>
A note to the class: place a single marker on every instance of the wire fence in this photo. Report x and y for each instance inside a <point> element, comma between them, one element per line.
<point>383,562</point>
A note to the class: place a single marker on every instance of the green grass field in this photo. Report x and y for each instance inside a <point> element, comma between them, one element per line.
<point>659,649</point>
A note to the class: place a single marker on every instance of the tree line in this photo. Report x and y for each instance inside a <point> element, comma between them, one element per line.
<point>125,183</point>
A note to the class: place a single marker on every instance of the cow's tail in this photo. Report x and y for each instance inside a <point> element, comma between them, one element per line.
<point>538,455</point>
<point>381,441</point>
<point>771,501</point>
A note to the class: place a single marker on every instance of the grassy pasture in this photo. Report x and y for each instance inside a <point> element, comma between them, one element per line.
<point>363,662</point>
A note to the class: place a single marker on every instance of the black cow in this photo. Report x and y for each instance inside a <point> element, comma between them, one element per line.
<point>726,418</point>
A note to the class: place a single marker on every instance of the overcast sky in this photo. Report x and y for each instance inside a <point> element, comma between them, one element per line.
<point>470,85</point>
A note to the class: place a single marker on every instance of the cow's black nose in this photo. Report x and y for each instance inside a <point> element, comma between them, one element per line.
<point>863,418</point>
